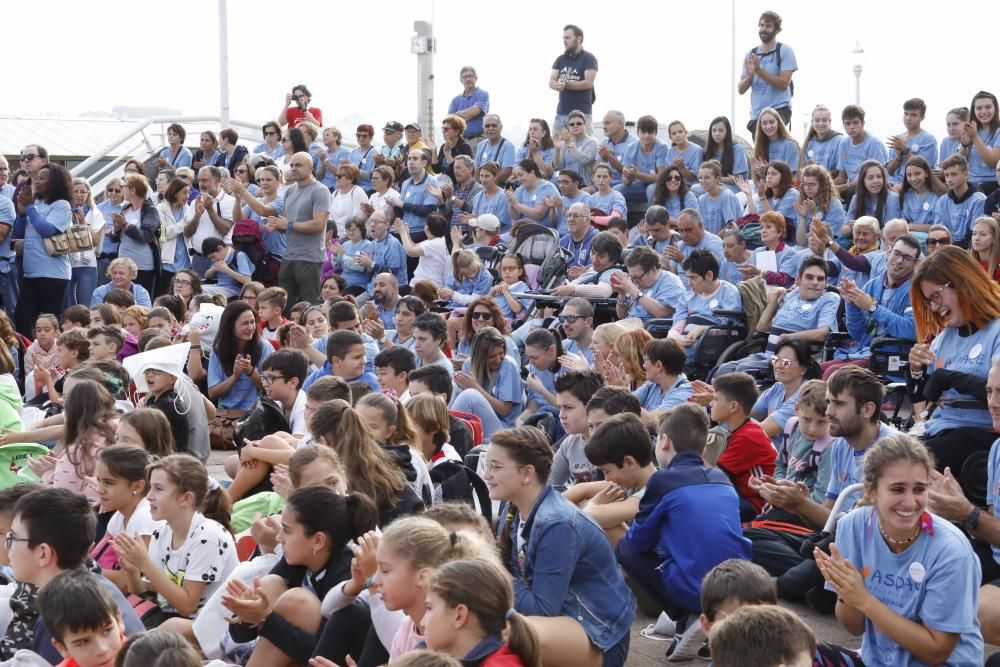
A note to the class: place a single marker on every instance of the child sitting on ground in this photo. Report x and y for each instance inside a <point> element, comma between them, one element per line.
<point>571,465</point>
<point>622,451</point>
<point>749,452</point>
<point>82,617</point>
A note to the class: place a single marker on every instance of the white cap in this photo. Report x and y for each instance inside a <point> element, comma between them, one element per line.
<point>486,221</point>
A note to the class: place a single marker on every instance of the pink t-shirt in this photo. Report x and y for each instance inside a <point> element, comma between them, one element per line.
<point>406,639</point>
<point>65,474</point>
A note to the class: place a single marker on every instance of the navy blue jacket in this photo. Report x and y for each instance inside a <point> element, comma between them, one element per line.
<point>690,516</point>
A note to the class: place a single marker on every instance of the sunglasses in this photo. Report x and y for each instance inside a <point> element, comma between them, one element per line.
<point>271,134</point>
<point>28,158</point>
<point>242,171</point>
<point>936,242</point>
<point>575,124</point>
<point>479,315</point>
<point>673,178</point>
<point>114,189</point>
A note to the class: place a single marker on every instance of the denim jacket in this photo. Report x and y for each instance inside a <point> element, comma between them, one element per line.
<point>568,568</point>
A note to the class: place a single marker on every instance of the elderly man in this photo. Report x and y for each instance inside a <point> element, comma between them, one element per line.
<point>6,187</point>
<point>471,106</point>
<point>387,255</point>
<point>693,236</point>
<point>210,217</point>
<point>617,142</point>
<point>307,207</point>
<point>579,238</point>
<point>573,75</point>
<point>496,148</point>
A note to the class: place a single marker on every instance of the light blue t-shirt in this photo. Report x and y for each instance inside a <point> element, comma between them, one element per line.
<point>646,163</point>
<point>497,205</point>
<point>692,157</point>
<point>959,215</point>
<point>918,209</point>
<point>563,223</point>
<point>335,156</point>
<point>478,97</point>
<point>993,489</point>
<point>468,287</point>
<point>507,386</point>
<point>890,209</point>
<point>763,94</point>
<point>730,271</point>
<point>823,152</point>
<point>674,205</point>
<point>979,171</point>
<point>364,160</point>
<point>548,380</point>
<point>535,198</point>
<point>851,155</point>
<point>354,272</point>
<point>243,393</point>
<point>785,150</point>
<point>49,219</point>
<point>517,288</point>
<point>785,205</point>
<point>795,314</point>
<point>780,408</point>
<point>524,153</point>
<point>703,306</point>
<point>934,582</point>
<point>570,346</point>
<point>417,195</point>
<point>972,355</point>
<point>8,214</point>
<point>612,203</point>
<point>274,155</point>
<point>948,148</point>
<point>846,466</point>
<point>668,290</point>
<point>619,149</point>
<point>652,397</point>
<point>709,242</point>
<point>717,213</point>
<point>502,153</point>
<point>786,259</point>
<point>107,209</point>
<point>741,165</point>
<point>924,145</point>
<point>182,159</point>
<point>442,361</point>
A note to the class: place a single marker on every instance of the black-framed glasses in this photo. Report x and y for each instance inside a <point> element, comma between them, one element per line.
<point>28,158</point>
<point>577,124</point>
<point>569,319</point>
<point>639,277</point>
<point>271,134</point>
<point>269,379</point>
<point>674,178</point>
<point>932,242</point>
<point>480,315</point>
<point>114,189</point>
<point>12,537</point>
<point>242,171</point>
<point>902,256</point>
<point>935,296</point>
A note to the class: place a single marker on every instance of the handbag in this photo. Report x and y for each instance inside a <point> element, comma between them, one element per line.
<point>222,428</point>
<point>76,238</point>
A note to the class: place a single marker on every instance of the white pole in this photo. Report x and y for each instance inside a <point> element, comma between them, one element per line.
<point>732,63</point>
<point>223,65</point>
<point>857,85</point>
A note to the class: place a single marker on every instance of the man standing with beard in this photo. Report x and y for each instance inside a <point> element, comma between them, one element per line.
<point>573,75</point>
<point>854,398</point>
<point>767,72</point>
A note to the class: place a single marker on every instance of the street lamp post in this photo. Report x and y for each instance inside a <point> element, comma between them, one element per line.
<point>857,64</point>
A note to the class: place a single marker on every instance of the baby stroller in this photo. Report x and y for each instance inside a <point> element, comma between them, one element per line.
<point>538,246</point>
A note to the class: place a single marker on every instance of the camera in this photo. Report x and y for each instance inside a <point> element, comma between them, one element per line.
<point>299,101</point>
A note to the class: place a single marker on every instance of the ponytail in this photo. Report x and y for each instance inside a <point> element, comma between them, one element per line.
<point>320,509</point>
<point>217,506</point>
<point>426,543</point>
<point>485,589</point>
<point>189,474</point>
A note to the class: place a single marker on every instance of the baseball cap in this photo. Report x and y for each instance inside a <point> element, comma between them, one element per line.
<point>413,126</point>
<point>393,126</point>
<point>486,221</point>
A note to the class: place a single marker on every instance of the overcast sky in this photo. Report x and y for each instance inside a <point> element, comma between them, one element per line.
<point>663,58</point>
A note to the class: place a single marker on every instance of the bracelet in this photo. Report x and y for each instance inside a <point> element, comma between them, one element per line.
<point>196,347</point>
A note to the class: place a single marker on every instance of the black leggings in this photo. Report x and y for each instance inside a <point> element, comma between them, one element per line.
<point>38,295</point>
<point>349,632</point>
<point>779,554</point>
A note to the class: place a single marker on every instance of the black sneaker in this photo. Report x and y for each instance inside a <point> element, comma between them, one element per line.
<point>822,600</point>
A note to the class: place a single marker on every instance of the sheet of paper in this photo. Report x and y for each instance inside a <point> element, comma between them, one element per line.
<point>767,261</point>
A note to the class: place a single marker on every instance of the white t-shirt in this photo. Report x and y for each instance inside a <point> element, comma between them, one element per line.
<point>379,202</point>
<point>433,264</point>
<point>208,555</point>
<point>95,221</point>
<point>223,205</point>
<point>297,417</point>
<point>141,522</point>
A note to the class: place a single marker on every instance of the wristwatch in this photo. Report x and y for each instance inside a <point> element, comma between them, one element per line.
<point>872,308</point>
<point>970,522</point>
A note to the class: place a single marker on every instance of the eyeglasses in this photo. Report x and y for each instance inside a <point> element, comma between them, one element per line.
<point>361,135</point>
<point>114,189</point>
<point>935,296</point>
<point>242,171</point>
<point>576,124</point>
<point>902,257</point>
<point>28,158</point>
<point>271,134</point>
<point>342,176</point>
<point>186,283</point>
<point>674,178</point>
<point>131,171</point>
<point>12,537</point>
<point>569,319</point>
<point>491,125</point>
<point>640,276</point>
<point>490,468</point>
<point>931,242</point>
<point>480,315</point>
<point>577,215</point>
<point>269,379</point>
<point>781,362</point>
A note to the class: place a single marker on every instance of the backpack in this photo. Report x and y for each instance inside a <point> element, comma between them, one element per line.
<point>264,418</point>
<point>247,240</point>
<point>473,423</point>
<point>777,58</point>
<point>749,226</point>
<point>456,481</point>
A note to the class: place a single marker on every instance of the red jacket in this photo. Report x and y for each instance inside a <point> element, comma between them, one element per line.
<point>748,454</point>
<point>502,657</point>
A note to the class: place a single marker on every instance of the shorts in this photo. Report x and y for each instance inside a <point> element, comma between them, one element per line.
<point>616,655</point>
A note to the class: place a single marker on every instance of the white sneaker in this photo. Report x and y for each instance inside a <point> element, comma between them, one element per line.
<point>662,630</point>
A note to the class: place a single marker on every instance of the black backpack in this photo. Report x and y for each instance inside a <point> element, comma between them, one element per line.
<point>264,418</point>
<point>456,481</point>
<point>247,240</point>
<point>777,57</point>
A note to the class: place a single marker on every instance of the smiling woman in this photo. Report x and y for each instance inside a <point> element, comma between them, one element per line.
<point>957,310</point>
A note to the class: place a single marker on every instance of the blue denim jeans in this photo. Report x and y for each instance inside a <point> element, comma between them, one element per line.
<point>81,286</point>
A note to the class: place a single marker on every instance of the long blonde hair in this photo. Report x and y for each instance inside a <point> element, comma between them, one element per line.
<point>993,258</point>
<point>426,543</point>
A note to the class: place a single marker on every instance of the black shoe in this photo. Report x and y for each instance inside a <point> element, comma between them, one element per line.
<point>822,600</point>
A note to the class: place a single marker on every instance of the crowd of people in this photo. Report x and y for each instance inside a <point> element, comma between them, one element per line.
<point>449,451</point>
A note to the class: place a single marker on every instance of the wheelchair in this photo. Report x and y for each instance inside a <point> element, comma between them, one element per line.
<point>712,343</point>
